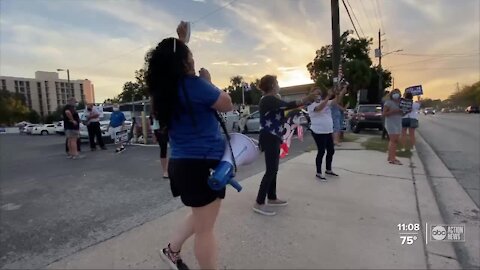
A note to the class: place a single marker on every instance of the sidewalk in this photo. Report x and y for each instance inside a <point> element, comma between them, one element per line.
<point>348,222</point>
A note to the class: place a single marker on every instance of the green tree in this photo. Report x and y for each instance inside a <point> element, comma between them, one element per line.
<point>12,108</point>
<point>467,96</point>
<point>356,64</point>
<point>33,117</point>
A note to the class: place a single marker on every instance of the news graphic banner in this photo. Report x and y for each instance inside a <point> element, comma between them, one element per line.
<point>416,90</point>
<point>411,232</point>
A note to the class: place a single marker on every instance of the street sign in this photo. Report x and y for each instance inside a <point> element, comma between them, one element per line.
<point>416,90</point>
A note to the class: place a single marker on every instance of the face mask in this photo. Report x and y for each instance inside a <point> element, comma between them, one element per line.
<point>396,96</point>
<point>89,109</point>
<point>116,109</point>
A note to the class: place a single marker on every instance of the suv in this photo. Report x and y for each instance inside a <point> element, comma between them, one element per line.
<point>472,109</point>
<point>367,116</point>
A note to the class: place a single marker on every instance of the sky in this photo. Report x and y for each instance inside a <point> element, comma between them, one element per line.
<point>106,41</point>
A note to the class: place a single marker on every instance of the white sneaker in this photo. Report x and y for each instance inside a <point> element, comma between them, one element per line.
<point>321,177</point>
<point>262,209</point>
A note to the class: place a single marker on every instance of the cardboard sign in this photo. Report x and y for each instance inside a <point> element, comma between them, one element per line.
<point>415,90</point>
<point>121,136</point>
<point>406,105</point>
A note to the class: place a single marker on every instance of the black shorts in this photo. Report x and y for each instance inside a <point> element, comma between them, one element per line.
<point>409,123</point>
<point>189,180</point>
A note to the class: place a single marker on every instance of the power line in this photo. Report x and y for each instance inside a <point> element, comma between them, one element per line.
<point>380,15</point>
<point>365,13</point>
<point>355,17</point>
<point>142,46</point>
<point>437,68</point>
<point>440,54</point>
<point>375,12</point>
<point>348,12</point>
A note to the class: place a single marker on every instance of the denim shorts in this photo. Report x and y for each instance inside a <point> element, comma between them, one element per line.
<point>409,123</point>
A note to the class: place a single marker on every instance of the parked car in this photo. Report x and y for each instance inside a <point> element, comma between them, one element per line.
<point>231,120</point>
<point>59,129</point>
<point>27,129</point>
<point>429,110</point>
<point>366,116</point>
<point>445,110</point>
<point>43,129</point>
<point>252,122</point>
<point>472,109</point>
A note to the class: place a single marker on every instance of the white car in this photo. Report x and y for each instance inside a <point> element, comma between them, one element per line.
<point>28,129</point>
<point>43,129</point>
<point>59,129</point>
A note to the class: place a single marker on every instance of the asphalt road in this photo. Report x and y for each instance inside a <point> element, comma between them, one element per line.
<point>52,206</point>
<point>455,137</point>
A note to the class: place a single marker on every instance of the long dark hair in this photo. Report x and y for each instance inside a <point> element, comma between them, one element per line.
<point>165,68</point>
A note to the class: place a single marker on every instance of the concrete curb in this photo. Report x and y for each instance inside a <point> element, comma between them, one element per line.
<point>456,206</point>
<point>439,255</point>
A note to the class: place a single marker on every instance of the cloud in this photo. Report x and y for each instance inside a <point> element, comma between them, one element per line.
<point>226,63</point>
<point>211,35</point>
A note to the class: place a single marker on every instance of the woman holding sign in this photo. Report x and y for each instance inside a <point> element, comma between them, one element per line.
<point>410,122</point>
<point>393,124</point>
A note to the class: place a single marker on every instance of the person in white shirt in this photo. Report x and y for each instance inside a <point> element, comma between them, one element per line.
<point>93,115</point>
<point>322,129</point>
<point>410,123</point>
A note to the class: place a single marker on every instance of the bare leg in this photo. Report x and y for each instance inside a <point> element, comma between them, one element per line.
<point>183,232</point>
<point>404,137</point>
<point>164,162</point>
<point>205,245</point>
<point>411,133</point>
<point>392,147</point>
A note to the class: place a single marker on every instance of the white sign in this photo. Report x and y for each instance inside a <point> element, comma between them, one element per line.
<point>121,136</point>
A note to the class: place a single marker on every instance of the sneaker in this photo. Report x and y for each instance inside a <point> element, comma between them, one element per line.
<point>173,258</point>
<point>331,173</point>
<point>122,149</point>
<point>277,202</point>
<point>78,157</point>
<point>69,156</point>
<point>321,177</point>
<point>262,209</point>
<point>117,151</point>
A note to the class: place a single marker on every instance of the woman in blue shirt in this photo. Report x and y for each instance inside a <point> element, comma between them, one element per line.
<point>187,105</point>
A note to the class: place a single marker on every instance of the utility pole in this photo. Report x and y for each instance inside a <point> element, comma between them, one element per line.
<point>335,36</point>
<point>380,83</point>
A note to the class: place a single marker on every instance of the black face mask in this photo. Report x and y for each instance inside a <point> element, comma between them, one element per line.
<point>89,109</point>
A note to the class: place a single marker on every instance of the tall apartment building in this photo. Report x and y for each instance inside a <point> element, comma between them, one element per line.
<point>46,92</point>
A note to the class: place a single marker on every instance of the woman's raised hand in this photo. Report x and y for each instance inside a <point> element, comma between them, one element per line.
<point>182,30</point>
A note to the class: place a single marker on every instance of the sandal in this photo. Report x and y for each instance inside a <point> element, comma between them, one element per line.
<point>395,162</point>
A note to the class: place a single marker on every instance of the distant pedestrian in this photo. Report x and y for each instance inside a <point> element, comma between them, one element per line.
<point>117,125</point>
<point>393,124</point>
<point>337,111</point>
<point>272,120</point>
<point>384,130</point>
<point>92,116</point>
<point>161,135</point>
<point>322,129</point>
<point>410,123</point>
<point>72,128</point>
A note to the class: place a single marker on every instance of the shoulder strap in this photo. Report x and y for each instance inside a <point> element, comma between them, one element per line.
<point>227,135</point>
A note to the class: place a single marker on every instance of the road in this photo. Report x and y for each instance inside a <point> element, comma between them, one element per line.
<point>52,206</point>
<point>456,140</point>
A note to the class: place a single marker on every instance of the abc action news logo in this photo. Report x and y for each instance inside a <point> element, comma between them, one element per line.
<point>442,232</point>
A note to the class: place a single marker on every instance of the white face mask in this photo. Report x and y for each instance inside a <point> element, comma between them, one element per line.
<point>116,109</point>
<point>396,96</point>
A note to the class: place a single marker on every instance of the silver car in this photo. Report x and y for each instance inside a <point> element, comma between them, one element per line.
<point>252,122</point>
